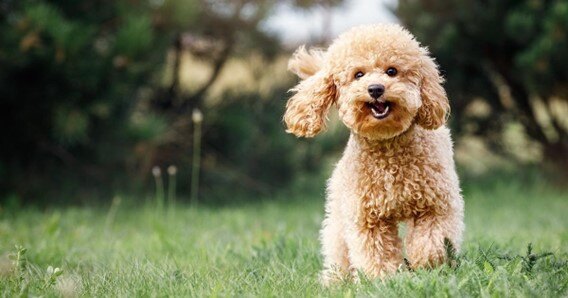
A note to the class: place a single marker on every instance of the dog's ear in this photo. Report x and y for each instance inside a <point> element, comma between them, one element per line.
<point>307,110</point>
<point>435,106</point>
<point>306,63</point>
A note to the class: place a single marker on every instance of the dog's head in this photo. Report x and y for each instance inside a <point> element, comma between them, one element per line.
<point>379,77</point>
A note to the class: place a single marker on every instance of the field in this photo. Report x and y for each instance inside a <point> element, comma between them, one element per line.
<point>270,248</point>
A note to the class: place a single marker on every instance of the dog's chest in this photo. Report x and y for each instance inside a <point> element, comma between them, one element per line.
<point>398,185</point>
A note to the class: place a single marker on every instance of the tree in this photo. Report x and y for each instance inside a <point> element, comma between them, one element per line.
<point>83,103</point>
<point>510,53</point>
<point>220,29</point>
<point>224,30</point>
<point>70,72</point>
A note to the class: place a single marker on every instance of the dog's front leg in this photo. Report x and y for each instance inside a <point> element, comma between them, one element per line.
<point>374,248</point>
<point>334,249</point>
<point>426,242</point>
<point>332,236</point>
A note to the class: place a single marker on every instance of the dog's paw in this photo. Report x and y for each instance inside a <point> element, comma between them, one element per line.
<point>329,277</point>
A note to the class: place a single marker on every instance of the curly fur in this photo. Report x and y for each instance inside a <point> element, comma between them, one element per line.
<point>393,170</point>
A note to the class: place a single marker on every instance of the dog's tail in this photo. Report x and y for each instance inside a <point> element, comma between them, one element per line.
<point>305,63</point>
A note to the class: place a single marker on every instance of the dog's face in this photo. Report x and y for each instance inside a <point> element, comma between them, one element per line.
<point>380,78</point>
<point>378,86</point>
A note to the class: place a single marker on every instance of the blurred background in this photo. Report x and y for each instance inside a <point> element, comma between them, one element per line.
<point>99,98</point>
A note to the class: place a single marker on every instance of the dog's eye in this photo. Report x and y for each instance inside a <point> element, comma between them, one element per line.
<point>359,74</point>
<point>391,71</point>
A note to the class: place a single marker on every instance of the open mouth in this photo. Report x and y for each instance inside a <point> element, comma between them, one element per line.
<point>379,108</point>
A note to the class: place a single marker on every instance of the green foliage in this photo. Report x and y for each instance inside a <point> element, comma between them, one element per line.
<point>69,126</point>
<point>251,148</point>
<point>84,104</point>
<point>451,254</point>
<point>271,249</point>
<point>134,38</point>
<point>530,34</point>
<point>181,13</point>
<point>70,76</point>
<point>147,126</point>
<point>506,53</point>
<point>530,259</point>
<point>247,150</point>
<point>543,29</point>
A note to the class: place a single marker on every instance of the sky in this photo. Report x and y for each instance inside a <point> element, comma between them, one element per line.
<point>295,26</point>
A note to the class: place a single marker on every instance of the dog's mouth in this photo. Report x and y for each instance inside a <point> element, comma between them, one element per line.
<point>380,109</point>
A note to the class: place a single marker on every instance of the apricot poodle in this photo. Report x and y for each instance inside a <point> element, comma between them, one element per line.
<point>398,164</point>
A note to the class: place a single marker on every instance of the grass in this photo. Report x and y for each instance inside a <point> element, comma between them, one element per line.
<point>271,249</point>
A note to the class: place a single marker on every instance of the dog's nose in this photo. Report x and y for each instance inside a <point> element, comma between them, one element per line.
<point>376,90</point>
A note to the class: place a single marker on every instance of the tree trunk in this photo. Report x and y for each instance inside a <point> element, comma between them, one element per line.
<point>555,151</point>
<point>556,159</point>
<point>196,99</point>
<point>173,91</point>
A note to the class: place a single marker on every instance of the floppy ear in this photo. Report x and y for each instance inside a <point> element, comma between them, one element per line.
<point>435,106</point>
<point>306,63</point>
<point>306,111</point>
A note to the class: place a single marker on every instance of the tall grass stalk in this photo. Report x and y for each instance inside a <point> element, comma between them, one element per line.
<point>197,118</point>
<point>172,172</point>
<point>157,173</point>
<point>112,211</point>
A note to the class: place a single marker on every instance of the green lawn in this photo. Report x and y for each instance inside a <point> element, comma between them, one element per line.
<point>271,249</point>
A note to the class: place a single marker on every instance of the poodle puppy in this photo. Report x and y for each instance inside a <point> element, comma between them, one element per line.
<point>398,164</point>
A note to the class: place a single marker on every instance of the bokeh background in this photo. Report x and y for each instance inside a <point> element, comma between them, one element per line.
<point>105,98</point>
<point>142,149</point>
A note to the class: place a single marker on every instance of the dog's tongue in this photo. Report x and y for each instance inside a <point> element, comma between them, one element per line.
<point>380,109</point>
